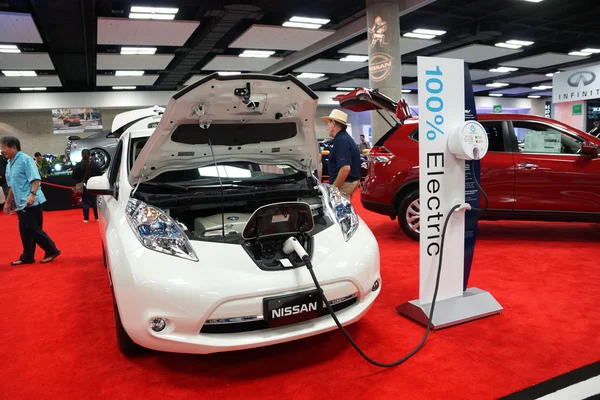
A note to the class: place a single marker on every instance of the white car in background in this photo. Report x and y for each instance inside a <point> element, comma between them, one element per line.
<point>194,214</point>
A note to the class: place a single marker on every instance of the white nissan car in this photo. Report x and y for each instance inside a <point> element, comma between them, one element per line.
<point>195,209</point>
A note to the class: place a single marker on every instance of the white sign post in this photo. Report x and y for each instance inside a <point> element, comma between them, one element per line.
<point>441,187</point>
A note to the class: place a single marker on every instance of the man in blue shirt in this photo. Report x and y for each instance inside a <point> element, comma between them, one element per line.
<point>344,160</point>
<point>26,197</point>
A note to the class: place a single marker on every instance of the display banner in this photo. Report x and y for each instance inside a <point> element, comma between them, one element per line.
<point>76,120</point>
<point>578,84</point>
<point>471,192</point>
<point>441,176</point>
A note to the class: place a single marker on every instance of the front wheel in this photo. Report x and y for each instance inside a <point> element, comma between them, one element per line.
<point>409,215</point>
<point>127,346</point>
<point>100,157</point>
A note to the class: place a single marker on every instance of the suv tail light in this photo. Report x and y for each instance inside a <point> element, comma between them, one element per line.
<point>380,154</point>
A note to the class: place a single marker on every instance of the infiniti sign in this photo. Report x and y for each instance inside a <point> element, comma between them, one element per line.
<point>587,77</point>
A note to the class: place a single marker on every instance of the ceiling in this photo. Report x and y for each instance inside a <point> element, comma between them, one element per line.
<point>76,45</point>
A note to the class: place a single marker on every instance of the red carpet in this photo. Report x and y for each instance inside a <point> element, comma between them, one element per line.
<point>58,338</point>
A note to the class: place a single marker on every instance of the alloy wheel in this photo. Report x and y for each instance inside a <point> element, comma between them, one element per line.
<point>413,216</point>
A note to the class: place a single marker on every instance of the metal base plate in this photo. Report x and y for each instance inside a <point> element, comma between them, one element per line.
<point>473,304</point>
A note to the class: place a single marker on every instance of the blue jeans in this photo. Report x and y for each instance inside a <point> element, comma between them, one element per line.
<point>87,201</point>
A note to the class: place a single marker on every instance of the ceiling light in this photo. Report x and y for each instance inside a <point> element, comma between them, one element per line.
<point>355,58</point>
<point>429,32</point>
<point>406,91</point>
<point>318,21</point>
<point>154,10</point>
<point>496,84</point>
<point>504,69</point>
<point>129,73</point>
<point>9,48</point>
<point>542,87</point>
<point>138,50</point>
<point>310,75</point>
<point>520,42</point>
<point>508,46</point>
<point>534,1</point>
<point>19,73</point>
<point>496,95</point>
<point>300,25</point>
<point>229,73</point>
<point>124,87</point>
<point>257,53</point>
<point>595,51</point>
<point>345,89</point>
<point>29,89</point>
<point>418,35</point>
<point>151,16</point>
<point>579,54</point>
<point>533,97</point>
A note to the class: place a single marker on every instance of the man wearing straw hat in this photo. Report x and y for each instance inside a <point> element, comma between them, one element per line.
<point>344,160</point>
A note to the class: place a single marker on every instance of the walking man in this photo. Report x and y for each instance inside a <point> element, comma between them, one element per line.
<point>24,191</point>
<point>344,160</point>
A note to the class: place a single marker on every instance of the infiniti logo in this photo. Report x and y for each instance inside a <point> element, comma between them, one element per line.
<point>587,77</point>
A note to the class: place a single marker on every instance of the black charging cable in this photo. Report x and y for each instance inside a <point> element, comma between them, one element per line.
<point>306,259</point>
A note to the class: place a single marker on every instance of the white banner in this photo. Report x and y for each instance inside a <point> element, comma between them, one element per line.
<point>441,175</point>
<point>579,84</point>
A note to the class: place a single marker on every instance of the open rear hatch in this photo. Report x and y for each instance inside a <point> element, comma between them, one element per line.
<point>255,118</point>
<point>365,99</point>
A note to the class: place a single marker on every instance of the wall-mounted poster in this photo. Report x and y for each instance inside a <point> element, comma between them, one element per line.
<point>76,120</point>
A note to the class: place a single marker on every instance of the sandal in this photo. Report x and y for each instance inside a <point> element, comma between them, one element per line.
<point>21,262</point>
<point>50,258</point>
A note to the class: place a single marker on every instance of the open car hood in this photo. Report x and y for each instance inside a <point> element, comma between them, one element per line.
<point>365,99</point>
<point>255,118</point>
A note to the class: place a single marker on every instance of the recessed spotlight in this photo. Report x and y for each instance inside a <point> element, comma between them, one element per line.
<point>300,25</point>
<point>496,95</point>
<point>542,87</point>
<point>310,75</point>
<point>579,54</point>
<point>124,87</point>
<point>406,91</point>
<point>533,97</point>
<point>229,73</point>
<point>138,50</point>
<point>594,51</point>
<point>355,58</point>
<point>9,48</point>
<point>508,46</point>
<point>19,73</point>
<point>31,89</point>
<point>418,35</point>
<point>504,69</point>
<point>345,89</point>
<point>534,1</point>
<point>497,84</point>
<point>520,42</point>
<point>129,73</point>
<point>429,32</point>
<point>316,21</point>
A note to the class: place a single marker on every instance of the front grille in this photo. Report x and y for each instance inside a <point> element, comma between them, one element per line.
<point>257,323</point>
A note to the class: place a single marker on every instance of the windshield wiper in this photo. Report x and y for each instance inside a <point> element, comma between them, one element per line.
<point>165,185</point>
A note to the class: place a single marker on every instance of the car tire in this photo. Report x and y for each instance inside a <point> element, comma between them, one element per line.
<point>126,346</point>
<point>95,153</point>
<point>104,256</point>
<point>408,209</point>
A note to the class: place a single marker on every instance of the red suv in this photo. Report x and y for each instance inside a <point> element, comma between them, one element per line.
<point>536,168</point>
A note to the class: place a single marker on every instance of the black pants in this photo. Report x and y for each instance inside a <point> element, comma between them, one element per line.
<point>30,227</point>
<point>87,201</point>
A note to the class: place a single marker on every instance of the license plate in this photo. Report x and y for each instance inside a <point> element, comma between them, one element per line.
<point>293,308</point>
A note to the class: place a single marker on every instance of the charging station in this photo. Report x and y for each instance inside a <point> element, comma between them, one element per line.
<point>446,143</point>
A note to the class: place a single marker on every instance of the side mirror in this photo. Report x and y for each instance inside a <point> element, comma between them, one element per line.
<point>99,185</point>
<point>589,149</point>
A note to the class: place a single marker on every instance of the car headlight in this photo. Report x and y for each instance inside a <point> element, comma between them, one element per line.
<point>340,209</point>
<point>157,231</point>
